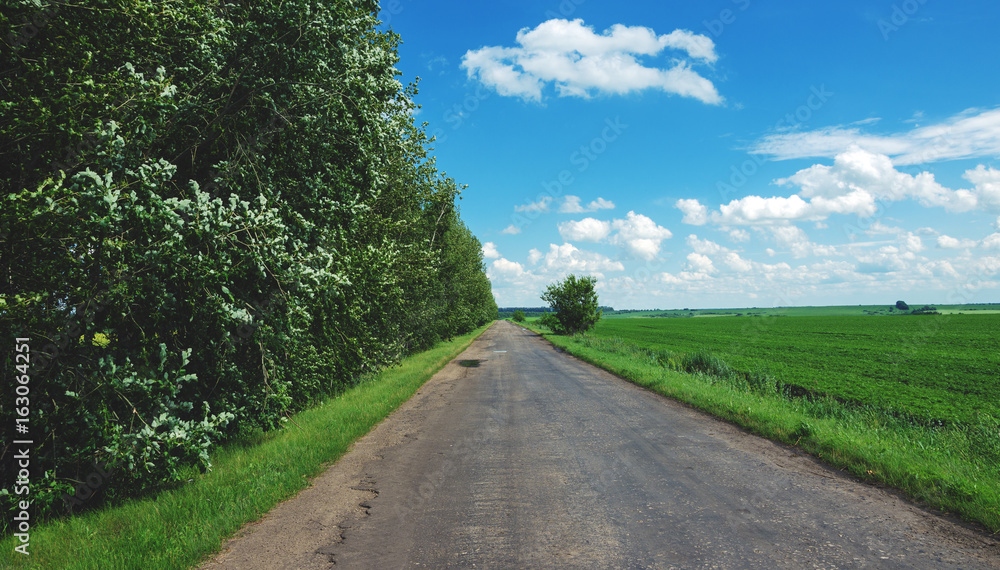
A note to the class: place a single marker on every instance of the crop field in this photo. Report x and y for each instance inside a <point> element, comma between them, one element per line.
<point>935,367</point>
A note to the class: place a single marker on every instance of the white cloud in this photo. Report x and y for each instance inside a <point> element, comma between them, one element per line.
<point>737,263</point>
<point>695,213</point>
<point>974,133</point>
<point>987,185</point>
<point>580,62</point>
<point>587,229</point>
<point>490,250</point>
<point>706,247</point>
<point>572,205</point>
<point>991,241</point>
<point>858,183</point>
<point>534,256</point>
<point>739,235</point>
<point>698,263</point>
<point>505,269</point>
<point>948,242</point>
<point>541,206</point>
<point>640,235</point>
<point>858,177</point>
<point>697,46</point>
<point>567,258</point>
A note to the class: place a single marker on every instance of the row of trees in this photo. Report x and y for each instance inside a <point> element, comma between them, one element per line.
<point>213,214</point>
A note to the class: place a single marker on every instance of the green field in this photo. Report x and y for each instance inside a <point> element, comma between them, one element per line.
<point>936,367</point>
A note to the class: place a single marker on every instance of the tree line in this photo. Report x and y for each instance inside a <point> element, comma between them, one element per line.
<point>213,215</point>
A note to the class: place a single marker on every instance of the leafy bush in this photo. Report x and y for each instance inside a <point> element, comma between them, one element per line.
<point>574,301</point>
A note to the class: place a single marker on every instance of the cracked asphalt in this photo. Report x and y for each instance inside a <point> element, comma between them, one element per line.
<point>524,457</point>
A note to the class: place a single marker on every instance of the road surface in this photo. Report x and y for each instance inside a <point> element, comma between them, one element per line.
<point>534,459</point>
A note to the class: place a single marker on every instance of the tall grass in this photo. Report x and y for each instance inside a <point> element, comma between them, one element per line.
<point>180,527</point>
<point>954,467</point>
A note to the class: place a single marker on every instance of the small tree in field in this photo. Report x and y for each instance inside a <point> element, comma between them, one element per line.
<point>518,316</point>
<point>574,301</point>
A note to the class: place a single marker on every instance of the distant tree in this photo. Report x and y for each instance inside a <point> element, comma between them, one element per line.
<point>518,316</point>
<point>574,301</point>
<point>902,306</point>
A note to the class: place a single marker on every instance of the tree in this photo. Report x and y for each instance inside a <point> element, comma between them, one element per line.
<point>902,306</point>
<point>518,316</point>
<point>574,301</point>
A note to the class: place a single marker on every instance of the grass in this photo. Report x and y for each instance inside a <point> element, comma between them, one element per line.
<point>181,527</point>
<point>952,467</point>
<point>938,367</point>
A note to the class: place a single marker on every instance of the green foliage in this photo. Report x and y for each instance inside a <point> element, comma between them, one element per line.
<point>574,301</point>
<point>231,205</point>
<point>518,316</point>
<point>902,306</point>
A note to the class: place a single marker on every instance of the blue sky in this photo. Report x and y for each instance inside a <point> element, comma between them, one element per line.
<point>732,153</point>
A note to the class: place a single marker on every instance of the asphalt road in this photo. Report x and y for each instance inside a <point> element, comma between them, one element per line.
<point>534,459</point>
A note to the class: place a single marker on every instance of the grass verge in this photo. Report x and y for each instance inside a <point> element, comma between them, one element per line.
<point>178,528</point>
<point>954,468</point>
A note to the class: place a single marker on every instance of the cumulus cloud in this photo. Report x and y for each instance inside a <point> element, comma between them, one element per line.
<point>991,242</point>
<point>974,133</point>
<point>858,183</point>
<point>739,235</point>
<point>490,250</point>
<point>572,205</point>
<point>706,247</point>
<point>737,263</point>
<point>640,235</point>
<point>698,263</point>
<point>511,230</point>
<point>987,185</point>
<point>567,258</point>
<point>505,269</point>
<point>587,229</point>
<point>858,177</point>
<point>695,213</point>
<point>948,242</point>
<point>580,62</point>
<point>541,206</point>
